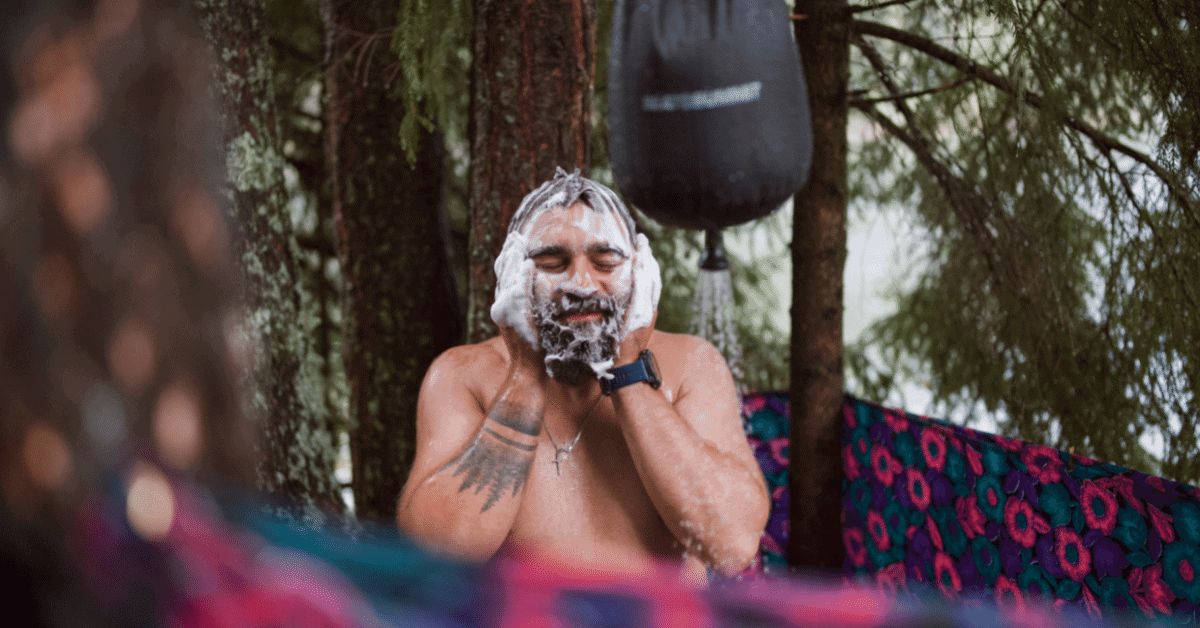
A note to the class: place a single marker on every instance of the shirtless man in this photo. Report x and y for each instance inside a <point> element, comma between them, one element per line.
<point>517,444</point>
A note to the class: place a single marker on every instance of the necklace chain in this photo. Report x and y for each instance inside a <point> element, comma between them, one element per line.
<point>561,453</point>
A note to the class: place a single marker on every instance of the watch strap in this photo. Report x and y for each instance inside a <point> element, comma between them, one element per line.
<point>641,370</point>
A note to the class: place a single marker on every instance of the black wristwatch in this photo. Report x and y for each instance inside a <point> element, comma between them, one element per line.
<point>645,369</point>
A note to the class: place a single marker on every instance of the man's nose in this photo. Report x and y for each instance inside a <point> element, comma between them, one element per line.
<point>582,282</point>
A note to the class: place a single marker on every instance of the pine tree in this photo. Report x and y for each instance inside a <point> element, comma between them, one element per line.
<point>1049,149</point>
<point>400,302</point>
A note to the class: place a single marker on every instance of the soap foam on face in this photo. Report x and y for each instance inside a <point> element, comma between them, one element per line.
<point>647,288</point>
<point>514,275</point>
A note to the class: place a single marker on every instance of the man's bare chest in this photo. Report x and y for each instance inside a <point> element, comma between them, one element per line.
<point>593,498</point>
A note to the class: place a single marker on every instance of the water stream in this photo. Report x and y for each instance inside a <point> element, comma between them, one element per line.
<point>713,317</point>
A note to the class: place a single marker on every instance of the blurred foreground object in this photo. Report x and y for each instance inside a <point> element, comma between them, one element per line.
<point>118,333</point>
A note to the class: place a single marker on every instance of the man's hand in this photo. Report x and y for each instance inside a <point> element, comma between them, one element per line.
<point>634,343</point>
<point>513,306</point>
<point>643,305</point>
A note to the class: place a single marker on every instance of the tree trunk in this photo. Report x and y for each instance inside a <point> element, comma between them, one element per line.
<point>818,258</point>
<point>400,304</point>
<point>531,103</point>
<point>297,455</point>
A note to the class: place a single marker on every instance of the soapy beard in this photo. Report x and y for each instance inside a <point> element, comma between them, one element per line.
<point>571,348</point>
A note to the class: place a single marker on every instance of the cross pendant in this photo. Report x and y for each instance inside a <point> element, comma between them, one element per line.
<point>559,456</point>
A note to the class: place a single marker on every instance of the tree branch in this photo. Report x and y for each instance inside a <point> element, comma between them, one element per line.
<point>1101,140</point>
<point>1128,189</point>
<point>873,7</point>
<point>906,95</point>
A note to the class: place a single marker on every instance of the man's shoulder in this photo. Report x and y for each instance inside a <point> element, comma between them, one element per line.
<point>679,344</point>
<point>694,358</point>
<point>479,357</point>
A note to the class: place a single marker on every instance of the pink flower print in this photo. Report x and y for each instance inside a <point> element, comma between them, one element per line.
<point>946,575</point>
<point>933,447</point>
<point>778,445</point>
<point>850,463</point>
<point>1099,507</point>
<point>974,458</point>
<point>1149,590</point>
<point>771,545</point>
<point>1122,486</point>
<point>753,403</point>
<point>1155,482</point>
<point>884,463</point>
<point>895,420</point>
<point>891,579</point>
<point>1010,444</point>
<point>935,535</point>
<point>970,517</point>
<point>1162,524</point>
<point>918,488</point>
<point>856,548</point>
<point>1043,463</point>
<point>1008,596</point>
<point>1024,525</point>
<point>847,413</point>
<point>878,531</point>
<point>1074,558</point>
<point>1090,603</point>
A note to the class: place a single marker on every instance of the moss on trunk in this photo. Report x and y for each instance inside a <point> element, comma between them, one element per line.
<point>297,453</point>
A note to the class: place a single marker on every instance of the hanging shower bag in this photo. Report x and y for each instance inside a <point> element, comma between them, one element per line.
<point>708,112</point>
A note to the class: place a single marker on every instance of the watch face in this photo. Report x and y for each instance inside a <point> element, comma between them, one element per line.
<point>647,358</point>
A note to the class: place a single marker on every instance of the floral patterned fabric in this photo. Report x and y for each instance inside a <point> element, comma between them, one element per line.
<point>931,505</point>
<point>225,563</point>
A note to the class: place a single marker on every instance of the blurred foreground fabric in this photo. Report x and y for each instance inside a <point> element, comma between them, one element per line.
<point>931,505</point>
<point>170,552</point>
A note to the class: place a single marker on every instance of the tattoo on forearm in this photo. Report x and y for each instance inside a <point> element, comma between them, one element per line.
<point>493,462</point>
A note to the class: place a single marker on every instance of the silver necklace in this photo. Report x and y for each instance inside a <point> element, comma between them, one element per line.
<point>561,453</point>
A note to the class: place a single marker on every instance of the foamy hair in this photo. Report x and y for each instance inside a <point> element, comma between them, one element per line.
<point>562,191</point>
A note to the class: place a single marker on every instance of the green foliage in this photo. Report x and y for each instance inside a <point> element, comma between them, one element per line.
<point>432,41</point>
<point>1060,287</point>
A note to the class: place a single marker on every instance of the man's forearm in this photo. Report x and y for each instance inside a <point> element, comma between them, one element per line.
<point>468,505</point>
<point>710,500</point>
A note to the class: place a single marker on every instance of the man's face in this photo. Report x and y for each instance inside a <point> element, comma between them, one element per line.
<point>582,286</point>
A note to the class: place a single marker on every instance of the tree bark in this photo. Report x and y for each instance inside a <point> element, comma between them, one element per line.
<point>531,103</point>
<point>297,456</point>
<point>400,304</point>
<point>818,259</point>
